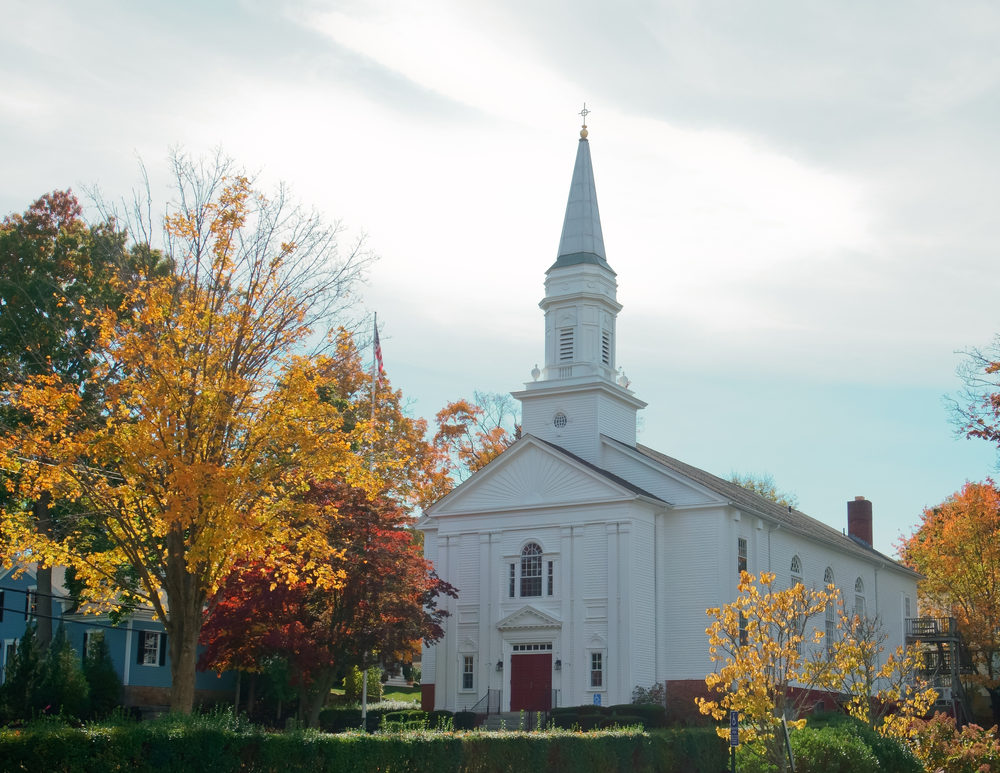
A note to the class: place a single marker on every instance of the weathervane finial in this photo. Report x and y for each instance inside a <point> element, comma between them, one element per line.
<point>585,112</point>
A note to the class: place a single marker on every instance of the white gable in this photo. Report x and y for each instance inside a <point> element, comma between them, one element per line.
<point>530,474</point>
<point>528,619</point>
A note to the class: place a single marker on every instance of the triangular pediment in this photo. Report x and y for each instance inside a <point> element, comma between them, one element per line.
<point>530,474</point>
<point>528,619</point>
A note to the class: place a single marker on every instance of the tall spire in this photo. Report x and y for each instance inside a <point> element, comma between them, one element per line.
<point>582,240</point>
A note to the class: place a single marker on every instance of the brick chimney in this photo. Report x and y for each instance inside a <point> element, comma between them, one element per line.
<point>859,519</point>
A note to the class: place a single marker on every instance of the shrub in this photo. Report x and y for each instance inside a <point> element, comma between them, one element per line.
<point>831,750</point>
<point>353,684</point>
<point>465,720</point>
<point>20,686</point>
<point>657,694</point>
<point>62,688</point>
<point>105,686</point>
<point>940,746</point>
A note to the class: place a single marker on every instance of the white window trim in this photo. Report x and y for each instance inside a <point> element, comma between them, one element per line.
<point>143,634</point>
<point>603,686</point>
<point>462,672</point>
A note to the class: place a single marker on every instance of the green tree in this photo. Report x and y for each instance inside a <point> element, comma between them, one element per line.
<point>55,272</point>
<point>62,688</point>
<point>102,679</point>
<point>21,679</point>
<point>765,486</point>
<point>213,421</point>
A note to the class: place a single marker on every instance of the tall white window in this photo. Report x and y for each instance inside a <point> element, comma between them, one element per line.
<point>859,597</point>
<point>531,570</point>
<point>468,672</point>
<point>831,612</point>
<point>596,669</point>
<point>741,555</point>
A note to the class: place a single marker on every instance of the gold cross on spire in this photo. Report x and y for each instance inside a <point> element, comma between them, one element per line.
<point>585,112</point>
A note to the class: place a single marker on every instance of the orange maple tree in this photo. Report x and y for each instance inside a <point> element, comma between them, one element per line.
<point>957,549</point>
<point>472,433</point>
<point>214,419</point>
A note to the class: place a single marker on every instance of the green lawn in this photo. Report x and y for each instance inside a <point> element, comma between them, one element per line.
<point>405,694</point>
<point>402,693</point>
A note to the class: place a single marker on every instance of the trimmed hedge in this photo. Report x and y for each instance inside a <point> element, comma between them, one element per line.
<point>589,717</point>
<point>193,747</point>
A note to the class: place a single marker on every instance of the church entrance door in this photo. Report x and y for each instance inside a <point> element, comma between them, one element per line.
<point>531,682</point>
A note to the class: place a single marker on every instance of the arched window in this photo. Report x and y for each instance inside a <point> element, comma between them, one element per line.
<point>859,597</point>
<point>531,570</point>
<point>796,570</point>
<point>831,612</point>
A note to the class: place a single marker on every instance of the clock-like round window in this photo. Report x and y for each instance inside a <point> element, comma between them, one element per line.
<point>559,420</point>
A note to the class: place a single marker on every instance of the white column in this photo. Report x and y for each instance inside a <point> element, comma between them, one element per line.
<point>575,679</point>
<point>446,696</point>
<point>487,583</point>
<point>625,590</point>
<point>612,668</point>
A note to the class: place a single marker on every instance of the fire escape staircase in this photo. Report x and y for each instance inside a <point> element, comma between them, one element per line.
<point>945,658</point>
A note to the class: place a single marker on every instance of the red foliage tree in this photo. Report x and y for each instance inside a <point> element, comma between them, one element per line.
<point>384,601</point>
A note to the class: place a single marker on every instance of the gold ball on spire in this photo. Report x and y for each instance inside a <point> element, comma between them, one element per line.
<point>583,133</point>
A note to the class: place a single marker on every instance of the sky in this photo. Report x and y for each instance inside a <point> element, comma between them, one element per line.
<point>799,198</point>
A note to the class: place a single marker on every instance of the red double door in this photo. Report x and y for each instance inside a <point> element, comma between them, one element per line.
<point>531,681</point>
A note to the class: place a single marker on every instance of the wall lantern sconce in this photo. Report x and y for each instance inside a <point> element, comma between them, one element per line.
<point>499,665</point>
<point>558,665</point>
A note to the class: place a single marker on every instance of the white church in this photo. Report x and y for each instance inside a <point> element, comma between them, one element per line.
<point>584,560</point>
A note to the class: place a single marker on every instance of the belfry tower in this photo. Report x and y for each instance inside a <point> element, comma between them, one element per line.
<point>577,396</point>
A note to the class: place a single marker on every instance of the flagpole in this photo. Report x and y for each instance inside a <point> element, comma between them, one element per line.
<point>376,368</point>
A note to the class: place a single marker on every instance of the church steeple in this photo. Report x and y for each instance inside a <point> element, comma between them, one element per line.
<point>577,399</point>
<point>582,240</point>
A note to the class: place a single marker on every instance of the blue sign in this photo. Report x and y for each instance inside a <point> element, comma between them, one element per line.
<point>597,699</point>
<point>734,728</point>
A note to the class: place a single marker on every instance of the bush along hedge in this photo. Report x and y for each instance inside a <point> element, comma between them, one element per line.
<point>590,717</point>
<point>838,745</point>
<point>220,744</point>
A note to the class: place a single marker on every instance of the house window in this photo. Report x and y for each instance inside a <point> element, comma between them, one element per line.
<point>531,570</point>
<point>859,597</point>
<point>6,653</point>
<point>828,576</point>
<point>565,344</point>
<point>91,641</point>
<point>796,571</point>
<point>1,606</point>
<point>468,672</point>
<point>743,630</point>
<point>605,347</point>
<point>906,604</point>
<point>596,669</point>
<point>152,648</point>
<point>741,555</point>
<point>551,580</point>
<point>512,584</point>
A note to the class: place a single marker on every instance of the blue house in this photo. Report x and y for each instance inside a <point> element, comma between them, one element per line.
<point>138,645</point>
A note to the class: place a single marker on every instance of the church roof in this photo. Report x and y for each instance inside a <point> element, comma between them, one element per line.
<point>582,240</point>
<point>789,517</point>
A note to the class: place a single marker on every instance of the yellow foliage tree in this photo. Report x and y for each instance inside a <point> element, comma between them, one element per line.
<point>757,643</point>
<point>885,693</point>
<point>214,419</point>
